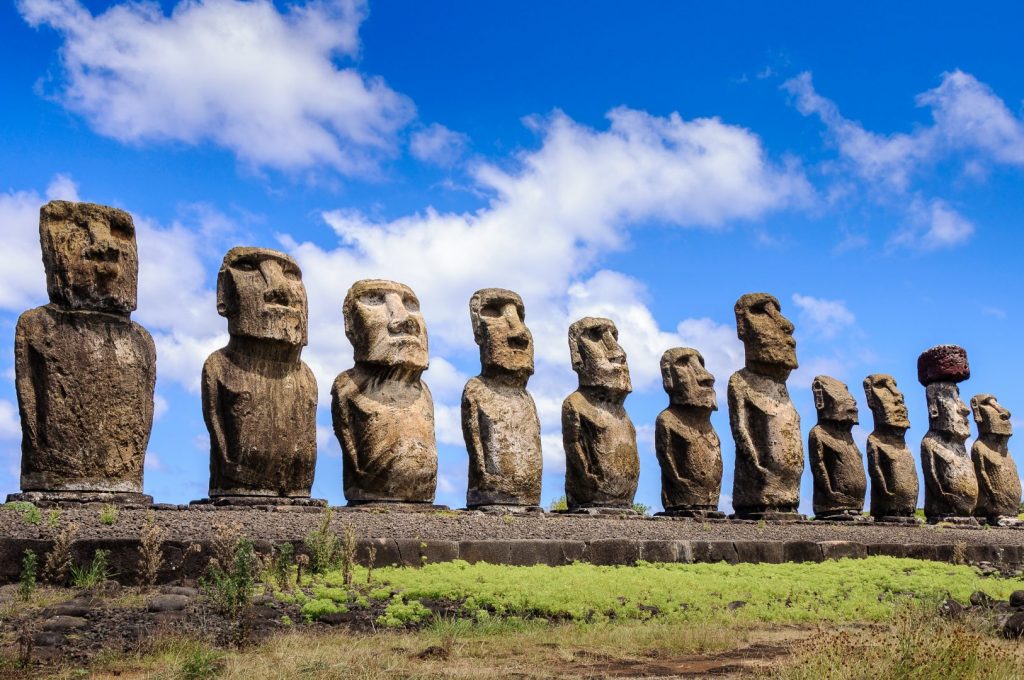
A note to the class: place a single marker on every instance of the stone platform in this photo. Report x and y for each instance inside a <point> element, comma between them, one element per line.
<point>524,539</point>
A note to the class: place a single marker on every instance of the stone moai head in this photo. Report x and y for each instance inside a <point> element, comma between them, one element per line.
<point>260,292</point>
<point>833,401</point>
<point>686,380</point>
<point>506,344</point>
<point>886,401</point>
<point>384,324</point>
<point>90,257</point>
<point>939,369</point>
<point>767,336</point>
<point>946,411</point>
<point>597,357</point>
<point>990,416</point>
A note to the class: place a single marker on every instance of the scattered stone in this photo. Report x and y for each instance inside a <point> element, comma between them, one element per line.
<point>383,412</point>
<point>736,604</point>
<point>69,608</point>
<point>1014,627</point>
<point>836,463</point>
<point>951,609</point>
<point>1017,598</point>
<point>167,603</point>
<point>499,417</point>
<point>980,599</point>
<point>765,425</point>
<point>61,623</point>
<point>999,488</point>
<point>951,488</point>
<point>687,446</point>
<point>180,590</point>
<point>894,485</point>
<point>84,371</point>
<point>259,398</point>
<point>48,638</point>
<point>601,459</point>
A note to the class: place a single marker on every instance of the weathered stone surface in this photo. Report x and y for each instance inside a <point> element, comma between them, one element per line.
<point>499,417</point>
<point>166,603</point>
<point>383,412</point>
<point>950,486</point>
<point>259,398</point>
<point>764,423</point>
<point>85,372</point>
<point>602,465</point>
<point>60,623</point>
<point>894,485</point>
<point>999,488</point>
<point>836,463</point>
<point>686,444</point>
<point>943,363</point>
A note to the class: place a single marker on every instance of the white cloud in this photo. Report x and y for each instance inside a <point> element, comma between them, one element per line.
<point>10,423</point>
<point>825,318</point>
<point>259,82</point>
<point>438,145</point>
<point>970,124</point>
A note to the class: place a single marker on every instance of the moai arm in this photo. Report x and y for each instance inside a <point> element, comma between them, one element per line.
<point>25,369</point>
<point>933,459</point>
<point>816,452</point>
<point>572,438</point>
<point>981,469</point>
<point>212,409</point>
<point>341,418</point>
<point>740,425</point>
<point>874,454</point>
<point>471,431</point>
<point>663,445</point>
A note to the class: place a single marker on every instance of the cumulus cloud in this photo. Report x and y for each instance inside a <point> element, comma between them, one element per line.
<point>10,424</point>
<point>970,124</point>
<point>438,145</point>
<point>824,318</point>
<point>243,75</point>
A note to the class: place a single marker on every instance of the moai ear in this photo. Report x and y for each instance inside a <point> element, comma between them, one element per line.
<point>933,410</point>
<point>819,394</point>
<point>222,302</point>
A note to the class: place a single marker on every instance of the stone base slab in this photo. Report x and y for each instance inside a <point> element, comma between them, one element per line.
<point>508,509</point>
<point>601,512</point>
<point>49,499</point>
<point>899,519</point>
<point>259,501</point>
<point>842,517</point>
<point>691,514</point>
<point>389,506</point>
<point>770,516</point>
<point>958,521</point>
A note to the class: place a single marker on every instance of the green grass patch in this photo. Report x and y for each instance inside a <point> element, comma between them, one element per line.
<point>836,591</point>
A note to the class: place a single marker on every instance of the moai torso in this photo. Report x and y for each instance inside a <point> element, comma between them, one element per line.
<point>836,463</point>
<point>259,398</point>
<point>262,418</point>
<point>383,413</point>
<point>894,485</point>
<point>85,385</point>
<point>999,487</point>
<point>951,488</point>
<point>499,417</point>
<point>85,372</point>
<point>602,465</point>
<point>688,449</point>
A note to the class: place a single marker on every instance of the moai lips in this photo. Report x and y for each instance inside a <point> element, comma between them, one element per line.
<point>259,398</point>
<point>85,372</point>
<point>685,442</point>
<point>383,413</point>
<point>499,417</point>
<point>602,463</point>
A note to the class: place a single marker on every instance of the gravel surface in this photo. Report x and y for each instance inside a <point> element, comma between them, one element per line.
<point>186,525</point>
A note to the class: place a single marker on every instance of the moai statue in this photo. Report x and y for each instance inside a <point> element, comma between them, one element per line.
<point>836,463</point>
<point>602,466</point>
<point>383,413</point>
<point>85,372</point>
<point>998,482</point>
<point>894,485</point>
<point>687,446</point>
<point>499,417</point>
<point>764,423</point>
<point>259,398</point>
<point>950,487</point>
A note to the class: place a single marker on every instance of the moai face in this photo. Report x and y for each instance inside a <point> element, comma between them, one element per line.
<point>597,357</point>
<point>260,292</point>
<point>886,401</point>
<point>946,411</point>
<point>686,380</point>
<point>384,324</point>
<point>767,336</point>
<point>499,327</point>
<point>990,416</point>
<point>833,400</point>
<point>90,257</point>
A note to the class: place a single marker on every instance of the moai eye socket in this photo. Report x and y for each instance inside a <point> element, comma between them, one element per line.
<point>411,304</point>
<point>244,265</point>
<point>594,334</point>
<point>292,273</point>
<point>371,299</point>
<point>491,310</point>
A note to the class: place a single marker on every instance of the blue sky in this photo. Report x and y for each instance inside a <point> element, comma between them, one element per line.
<point>649,163</point>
